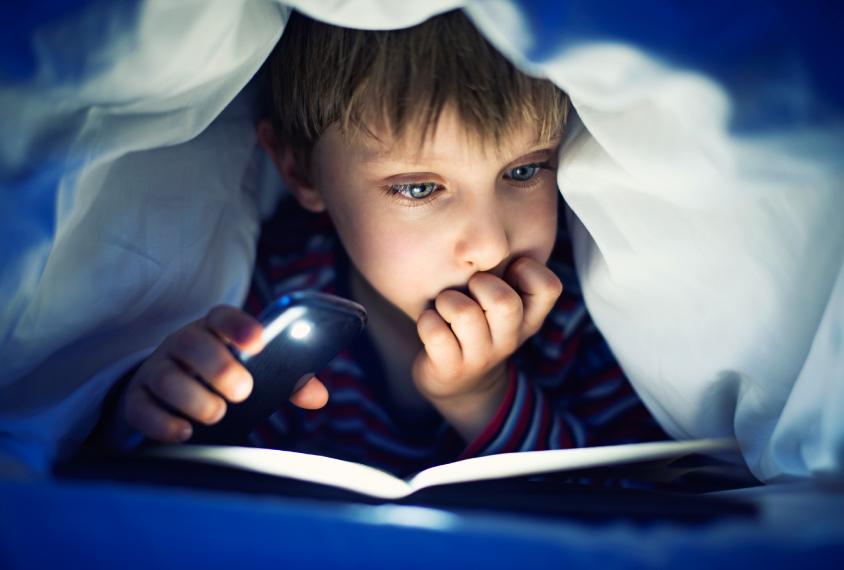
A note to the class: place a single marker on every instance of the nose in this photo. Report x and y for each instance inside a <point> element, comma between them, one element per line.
<point>483,243</point>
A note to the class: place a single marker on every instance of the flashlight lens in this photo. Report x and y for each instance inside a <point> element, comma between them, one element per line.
<point>300,329</point>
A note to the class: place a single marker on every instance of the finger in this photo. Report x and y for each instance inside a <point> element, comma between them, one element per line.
<point>145,415</point>
<point>468,323</point>
<point>174,386</point>
<point>539,289</point>
<point>235,327</point>
<point>502,307</point>
<point>441,345</point>
<point>311,396</point>
<point>203,352</point>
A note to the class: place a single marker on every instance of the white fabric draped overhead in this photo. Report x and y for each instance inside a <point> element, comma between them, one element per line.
<point>709,242</point>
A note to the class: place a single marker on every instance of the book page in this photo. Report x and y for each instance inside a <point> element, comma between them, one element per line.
<point>538,462</point>
<point>314,468</point>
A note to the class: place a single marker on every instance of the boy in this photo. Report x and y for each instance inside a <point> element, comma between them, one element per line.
<point>424,165</point>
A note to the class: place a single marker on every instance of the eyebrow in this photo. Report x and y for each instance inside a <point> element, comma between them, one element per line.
<point>532,154</point>
<point>385,155</point>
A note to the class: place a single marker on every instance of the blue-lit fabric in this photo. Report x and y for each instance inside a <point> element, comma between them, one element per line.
<point>102,197</point>
<point>779,61</point>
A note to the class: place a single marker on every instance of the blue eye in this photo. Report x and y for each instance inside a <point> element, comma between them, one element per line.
<point>523,173</point>
<point>415,191</point>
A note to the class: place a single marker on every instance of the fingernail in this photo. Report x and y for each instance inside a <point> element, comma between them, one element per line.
<point>185,433</point>
<point>221,411</point>
<point>241,390</point>
<point>302,381</point>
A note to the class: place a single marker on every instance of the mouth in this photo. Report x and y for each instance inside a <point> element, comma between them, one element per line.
<point>459,288</point>
<point>462,289</point>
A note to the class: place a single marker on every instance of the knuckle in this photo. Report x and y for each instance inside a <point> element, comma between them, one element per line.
<point>220,371</point>
<point>166,380</point>
<point>439,338</point>
<point>233,324</point>
<point>552,284</point>
<point>465,313</point>
<point>224,370</point>
<point>222,319</point>
<point>477,362</point>
<point>522,264</point>
<point>220,312</point>
<point>187,342</point>
<point>507,303</point>
<point>145,418</point>
<point>479,279</point>
<point>544,278</point>
<point>167,429</point>
<point>446,299</point>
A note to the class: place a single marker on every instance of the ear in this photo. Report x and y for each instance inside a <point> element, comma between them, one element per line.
<point>297,179</point>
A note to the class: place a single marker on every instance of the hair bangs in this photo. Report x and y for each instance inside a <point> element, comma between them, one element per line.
<point>396,80</point>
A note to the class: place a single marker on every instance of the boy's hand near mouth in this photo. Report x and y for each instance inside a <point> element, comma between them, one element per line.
<point>463,368</point>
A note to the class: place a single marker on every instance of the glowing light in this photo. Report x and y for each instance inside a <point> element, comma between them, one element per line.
<point>420,517</point>
<point>300,329</point>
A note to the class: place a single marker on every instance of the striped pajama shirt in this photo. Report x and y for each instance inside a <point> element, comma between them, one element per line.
<point>565,388</point>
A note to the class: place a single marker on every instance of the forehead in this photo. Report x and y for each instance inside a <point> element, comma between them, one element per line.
<point>448,141</point>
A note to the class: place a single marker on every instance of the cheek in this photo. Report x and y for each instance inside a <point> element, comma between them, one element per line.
<point>536,227</point>
<point>393,257</point>
<point>549,230</point>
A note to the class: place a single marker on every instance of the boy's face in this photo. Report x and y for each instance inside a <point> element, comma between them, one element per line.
<point>416,222</point>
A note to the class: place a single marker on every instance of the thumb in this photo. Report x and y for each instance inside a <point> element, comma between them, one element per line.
<point>312,396</point>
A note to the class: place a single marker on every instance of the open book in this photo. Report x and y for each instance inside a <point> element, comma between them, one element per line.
<point>379,484</point>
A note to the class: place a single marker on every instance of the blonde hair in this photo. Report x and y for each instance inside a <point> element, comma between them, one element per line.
<point>321,74</point>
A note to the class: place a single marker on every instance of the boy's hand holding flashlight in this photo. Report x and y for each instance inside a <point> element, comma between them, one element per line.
<point>194,374</point>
